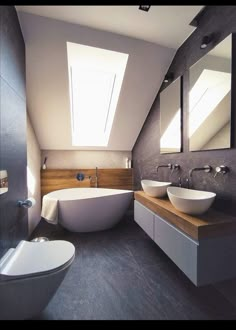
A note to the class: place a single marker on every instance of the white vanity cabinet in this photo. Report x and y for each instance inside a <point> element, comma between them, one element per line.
<point>181,249</point>
<point>145,218</point>
<point>203,261</point>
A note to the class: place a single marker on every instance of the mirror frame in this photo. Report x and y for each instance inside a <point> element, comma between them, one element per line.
<point>233,92</point>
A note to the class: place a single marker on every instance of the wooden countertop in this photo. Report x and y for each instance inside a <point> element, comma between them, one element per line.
<point>210,224</point>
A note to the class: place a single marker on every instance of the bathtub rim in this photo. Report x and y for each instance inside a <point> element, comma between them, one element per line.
<point>62,199</point>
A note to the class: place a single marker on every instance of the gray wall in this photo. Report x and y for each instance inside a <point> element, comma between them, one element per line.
<point>69,159</point>
<point>13,220</point>
<point>220,20</point>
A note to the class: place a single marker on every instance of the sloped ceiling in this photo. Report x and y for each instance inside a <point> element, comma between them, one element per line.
<point>164,25</point>
<point>48,87</point>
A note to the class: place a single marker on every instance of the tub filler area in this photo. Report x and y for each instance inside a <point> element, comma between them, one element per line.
<point>86,209</point>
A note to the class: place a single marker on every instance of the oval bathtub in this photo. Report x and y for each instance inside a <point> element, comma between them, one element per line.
<point>90,209</point>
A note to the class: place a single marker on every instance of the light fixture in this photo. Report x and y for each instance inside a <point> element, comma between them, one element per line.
<point>168,77</point>
<point>205,41</point>
<point>144,8</point>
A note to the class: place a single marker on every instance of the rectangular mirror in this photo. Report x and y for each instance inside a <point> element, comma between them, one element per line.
<point>3,182</point>
<point>210,99</point>
<point>170,118</point>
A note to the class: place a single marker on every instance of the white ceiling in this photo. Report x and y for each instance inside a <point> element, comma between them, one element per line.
<point>47,69</point>
<point>164,25</point>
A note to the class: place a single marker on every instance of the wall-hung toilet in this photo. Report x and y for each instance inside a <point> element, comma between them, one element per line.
<point>30,275</point>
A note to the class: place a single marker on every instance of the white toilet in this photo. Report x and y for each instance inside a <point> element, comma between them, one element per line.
<point>30,274</point>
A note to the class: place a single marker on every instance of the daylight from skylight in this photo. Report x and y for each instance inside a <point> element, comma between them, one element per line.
<point>96,77</point>
<point>208,91</point>
<point>171,139</point>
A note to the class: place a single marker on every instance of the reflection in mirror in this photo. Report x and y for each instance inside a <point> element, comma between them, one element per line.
<point>3,182</point>
<point>170,109</point>
<point>210,99</point>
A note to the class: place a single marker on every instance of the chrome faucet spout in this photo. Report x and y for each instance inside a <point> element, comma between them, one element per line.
<point>168,165</point>
<point>96,177</point>
<point>206,168</point>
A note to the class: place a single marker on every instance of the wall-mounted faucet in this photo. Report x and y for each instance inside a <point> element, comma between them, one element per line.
<point>206,168</point>
<point>171,167</point>
<point>221,169</point>
<point>80,176</point>
<point>96,177</point>
<point>175,167</point>
<point>168,165</point>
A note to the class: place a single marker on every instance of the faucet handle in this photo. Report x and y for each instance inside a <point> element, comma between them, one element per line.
<point>176,167</point>
<point>221,169</point>
<point>208,168</point>
<point>168,165</point>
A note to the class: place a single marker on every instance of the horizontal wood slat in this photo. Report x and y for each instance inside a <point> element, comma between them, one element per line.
<point>56,179</point>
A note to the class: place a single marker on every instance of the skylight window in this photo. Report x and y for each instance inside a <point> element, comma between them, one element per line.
<point>96,77</point>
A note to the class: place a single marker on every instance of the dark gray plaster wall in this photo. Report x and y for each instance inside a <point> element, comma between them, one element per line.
<point>220,20</point>
<point>13,220</point>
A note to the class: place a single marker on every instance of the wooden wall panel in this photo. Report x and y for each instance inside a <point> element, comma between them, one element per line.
<point>56,179</point>
<point>121,178</point>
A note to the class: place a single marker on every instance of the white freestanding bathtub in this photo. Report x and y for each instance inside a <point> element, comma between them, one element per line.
<point>91,209</point>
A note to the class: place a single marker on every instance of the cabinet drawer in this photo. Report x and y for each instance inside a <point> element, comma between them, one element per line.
<point>145,218</point>
<point>180,248</point>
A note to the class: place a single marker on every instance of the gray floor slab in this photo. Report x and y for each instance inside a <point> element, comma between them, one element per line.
<point>121,274</point>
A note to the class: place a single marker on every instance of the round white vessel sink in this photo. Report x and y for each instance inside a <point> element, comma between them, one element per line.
<point>190,201</point>
<point>155,188</point>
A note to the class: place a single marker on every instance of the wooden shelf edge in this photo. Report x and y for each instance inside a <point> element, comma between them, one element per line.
<point>211,224</point>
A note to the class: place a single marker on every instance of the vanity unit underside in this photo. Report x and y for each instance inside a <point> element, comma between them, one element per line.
<point>203,247</point>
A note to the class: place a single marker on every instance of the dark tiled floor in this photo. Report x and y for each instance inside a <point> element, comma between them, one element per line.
<point>121,274</point>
